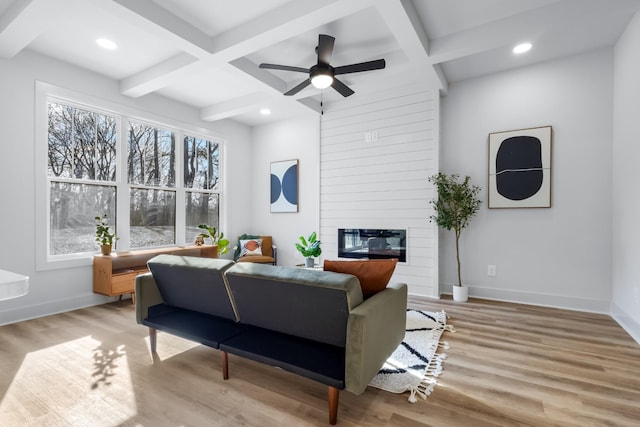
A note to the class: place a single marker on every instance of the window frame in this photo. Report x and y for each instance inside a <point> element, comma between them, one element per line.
<point>45,93</point>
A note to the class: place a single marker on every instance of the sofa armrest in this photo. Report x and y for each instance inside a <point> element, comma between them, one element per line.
<point>147,295</point>
<point>374,330</point>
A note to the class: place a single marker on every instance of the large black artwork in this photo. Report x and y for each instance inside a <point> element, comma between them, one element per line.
<point>520,168</point>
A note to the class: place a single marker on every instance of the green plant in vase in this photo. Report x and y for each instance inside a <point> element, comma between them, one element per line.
<point>104,236</point>
<point>456,204</point>
<point>309,248</point>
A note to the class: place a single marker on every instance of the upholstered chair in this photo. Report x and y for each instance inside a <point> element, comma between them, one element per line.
<point>254,248</point>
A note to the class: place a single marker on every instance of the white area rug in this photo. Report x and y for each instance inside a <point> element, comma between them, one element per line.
<point>414,365</point>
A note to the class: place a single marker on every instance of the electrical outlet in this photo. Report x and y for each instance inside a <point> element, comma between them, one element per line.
<point>491,270</point>
<point>367,137</point>
<point>374,135</point>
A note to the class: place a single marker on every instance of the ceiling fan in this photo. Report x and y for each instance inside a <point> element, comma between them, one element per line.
<point>322,75</point>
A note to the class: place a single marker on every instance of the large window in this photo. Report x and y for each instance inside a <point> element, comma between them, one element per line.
<point>145,202</point>
<point>82,173</point>
<point>151,168</point>
<point>201,178</point>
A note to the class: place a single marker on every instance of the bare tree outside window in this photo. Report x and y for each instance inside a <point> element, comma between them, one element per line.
<point>84,180</point>
<point>81,165</point>
<point>201,178</point>
<point>151,170</point>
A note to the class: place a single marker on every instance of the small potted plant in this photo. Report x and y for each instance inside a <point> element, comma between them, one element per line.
<point>456,204</point>
<point>104,236</point>
<point>219,241</point>
<point>309,248</point>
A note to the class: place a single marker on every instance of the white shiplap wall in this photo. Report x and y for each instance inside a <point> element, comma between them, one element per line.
<point>383,183</point>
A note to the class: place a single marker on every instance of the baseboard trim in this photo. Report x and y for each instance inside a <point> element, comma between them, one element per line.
<point>543,300</point>
<point>20,314</point>
<point>627,322</point>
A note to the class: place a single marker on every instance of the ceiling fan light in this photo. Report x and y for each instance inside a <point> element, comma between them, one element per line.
<point>322,80</point>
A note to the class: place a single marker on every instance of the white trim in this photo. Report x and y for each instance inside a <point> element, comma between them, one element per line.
<point>535,298</point>
<point>627,322</point>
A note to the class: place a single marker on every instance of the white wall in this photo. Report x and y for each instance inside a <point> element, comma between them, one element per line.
<point>285,140</point>
<point>65,289</point>
<point>382,183</point>
<point>626,203</point>
<point>559,256</point>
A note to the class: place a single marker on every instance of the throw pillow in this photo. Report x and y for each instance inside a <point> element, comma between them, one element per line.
<point>236,252</point>
<point>250,247</point>
<point>373,274</point>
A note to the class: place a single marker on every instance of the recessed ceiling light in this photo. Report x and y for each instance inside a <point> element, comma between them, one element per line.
<point>106,44</point>
<point>265,111</point>
<point>522,48</point>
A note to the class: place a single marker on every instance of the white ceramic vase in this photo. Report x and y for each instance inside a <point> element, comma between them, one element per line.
<point>460,293</point>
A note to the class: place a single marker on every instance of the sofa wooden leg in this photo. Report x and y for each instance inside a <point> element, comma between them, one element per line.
<point>334,394</point>
<point>225,365</point>
<point>153,334</point>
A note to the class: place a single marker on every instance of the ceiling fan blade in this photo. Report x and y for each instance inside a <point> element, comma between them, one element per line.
<point>325,48</point>
<point>283,68</point>
<point>342,88</point>
<point>378,64</point>
<point>298,88</point>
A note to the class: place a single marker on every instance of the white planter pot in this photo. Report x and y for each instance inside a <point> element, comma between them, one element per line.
<point>460,293</point>
<point>308,262</point>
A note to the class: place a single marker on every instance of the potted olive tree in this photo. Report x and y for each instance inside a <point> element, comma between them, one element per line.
<point>104,236</point>
<point>221,244</point>
<point>456,204</point>
<point>309,248</point>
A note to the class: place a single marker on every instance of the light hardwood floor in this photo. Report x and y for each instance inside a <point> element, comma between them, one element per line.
<point>508,365</point>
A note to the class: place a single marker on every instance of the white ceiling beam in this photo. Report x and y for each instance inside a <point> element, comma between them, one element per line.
<point>233,107</point>
<point>280,24</point>
<point>291,19</point>
<point>24,20</point>
<point>402,19</point>
<point>161,23</point>
<point>159,75</point>
<point>522,27</point>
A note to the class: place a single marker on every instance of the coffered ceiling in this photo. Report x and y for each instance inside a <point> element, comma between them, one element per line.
<point>206,53</point>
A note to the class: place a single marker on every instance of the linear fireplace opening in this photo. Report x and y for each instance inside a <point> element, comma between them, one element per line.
<point>372,243</point>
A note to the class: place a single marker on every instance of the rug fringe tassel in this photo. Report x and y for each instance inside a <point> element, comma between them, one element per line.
<point>428,383</point>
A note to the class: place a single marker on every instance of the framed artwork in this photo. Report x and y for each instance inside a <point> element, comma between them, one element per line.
<point>284,186</point>
<point>520,168</point>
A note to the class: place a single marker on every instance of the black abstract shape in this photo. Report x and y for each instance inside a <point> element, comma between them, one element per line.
<point>519,172</point>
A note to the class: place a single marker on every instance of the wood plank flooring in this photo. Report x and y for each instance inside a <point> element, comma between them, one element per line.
<point>508,365</point>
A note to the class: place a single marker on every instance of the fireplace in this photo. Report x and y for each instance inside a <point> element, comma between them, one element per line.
<point>372,243</point>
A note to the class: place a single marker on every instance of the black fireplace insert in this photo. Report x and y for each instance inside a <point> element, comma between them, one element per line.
<point>372,243</point>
